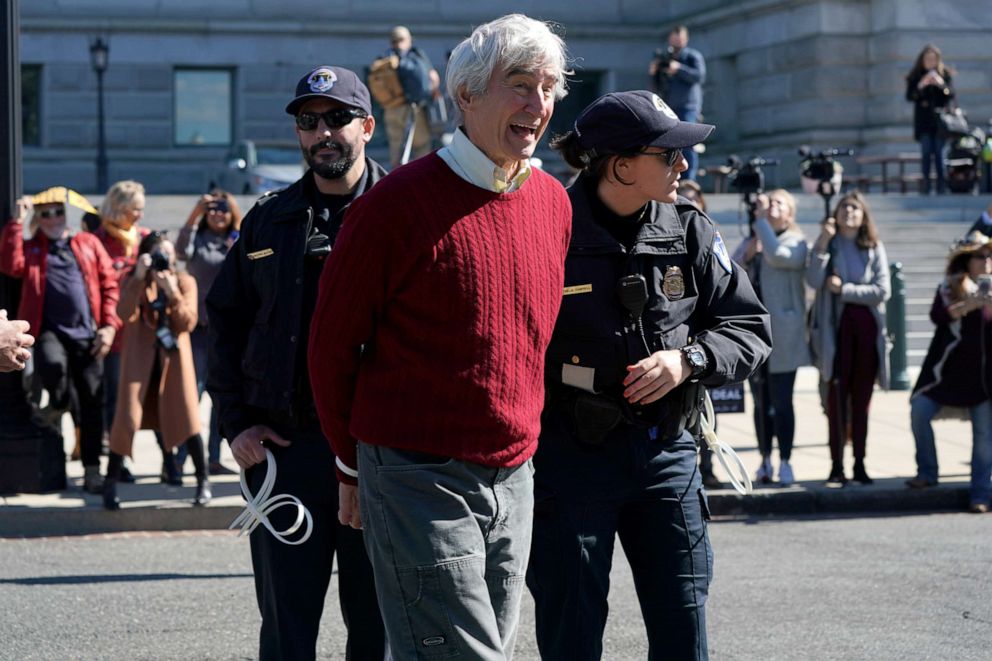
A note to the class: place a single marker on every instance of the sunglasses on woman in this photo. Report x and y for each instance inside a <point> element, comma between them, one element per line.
<point>333,119</point>
<point>669,157</point>
<point>51,213</point>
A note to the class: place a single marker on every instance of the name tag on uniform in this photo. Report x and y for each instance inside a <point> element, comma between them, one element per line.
<point>578,289</point>
<point>259,254</point>
<point>578,377</point>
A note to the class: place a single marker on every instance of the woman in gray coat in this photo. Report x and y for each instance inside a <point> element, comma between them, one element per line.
<point>775,259</point>
<point>849,271</point>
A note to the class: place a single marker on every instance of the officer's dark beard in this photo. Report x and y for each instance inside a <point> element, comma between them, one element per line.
<point>335,169</point>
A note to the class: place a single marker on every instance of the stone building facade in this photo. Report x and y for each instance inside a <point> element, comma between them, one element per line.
<point>186,78</point>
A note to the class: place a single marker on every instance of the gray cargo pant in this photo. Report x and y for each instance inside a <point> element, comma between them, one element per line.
<point>449,542</point>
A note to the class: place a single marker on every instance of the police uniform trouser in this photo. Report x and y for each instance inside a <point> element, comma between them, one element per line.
<point>648,493</point>
<point>291,581</point>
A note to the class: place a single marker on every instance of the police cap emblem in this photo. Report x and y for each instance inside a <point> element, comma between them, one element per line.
<point>321,80</point>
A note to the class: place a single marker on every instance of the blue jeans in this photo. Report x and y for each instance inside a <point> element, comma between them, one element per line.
<point>448,541</point>
<point>689,152</point>
<point>778,415</point>
<point>981,453</point>
<point>646,492</point>
<point>922,411</point>
<point>931,148</point>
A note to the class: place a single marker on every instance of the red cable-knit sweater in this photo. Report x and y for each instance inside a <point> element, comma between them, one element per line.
<point>435,309</point>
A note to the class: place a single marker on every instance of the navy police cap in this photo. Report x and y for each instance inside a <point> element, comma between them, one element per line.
<point>326,82</point>
<point>622,122</point>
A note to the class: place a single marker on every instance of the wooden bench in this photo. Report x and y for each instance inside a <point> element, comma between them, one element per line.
<point>900,178</point>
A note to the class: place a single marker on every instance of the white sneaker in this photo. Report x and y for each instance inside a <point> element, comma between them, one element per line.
<point>785,476</point>
<point>764,474</point>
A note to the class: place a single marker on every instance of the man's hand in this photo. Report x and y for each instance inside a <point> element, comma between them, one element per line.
<point>348,512</point>
<point>835,284</point>
<point>655,376</point>
<point>103,341</point>
<point>673,67</point>
<point>14,343</point>
<point>248,449</point>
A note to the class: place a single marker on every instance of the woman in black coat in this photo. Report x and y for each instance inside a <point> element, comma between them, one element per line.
<point>928,86</point>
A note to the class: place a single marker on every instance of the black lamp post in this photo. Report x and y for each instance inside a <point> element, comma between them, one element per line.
<point>31,457</point>
<point>99,57</point>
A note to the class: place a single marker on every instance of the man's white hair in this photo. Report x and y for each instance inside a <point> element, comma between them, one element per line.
<point>514,41</point>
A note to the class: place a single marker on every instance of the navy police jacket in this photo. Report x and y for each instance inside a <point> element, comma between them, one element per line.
<point>255,308</point>
<point>695,294</point>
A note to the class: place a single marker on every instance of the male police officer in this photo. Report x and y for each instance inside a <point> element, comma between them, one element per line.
<point>260,308</point>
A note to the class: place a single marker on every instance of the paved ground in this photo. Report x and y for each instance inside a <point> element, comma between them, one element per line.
<point>880,588</point>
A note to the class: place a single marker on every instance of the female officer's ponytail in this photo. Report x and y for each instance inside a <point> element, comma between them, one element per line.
<point>568,145</point>
<point>589,162</point>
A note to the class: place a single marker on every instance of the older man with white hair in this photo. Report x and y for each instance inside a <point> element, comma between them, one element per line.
<point>427,352</point>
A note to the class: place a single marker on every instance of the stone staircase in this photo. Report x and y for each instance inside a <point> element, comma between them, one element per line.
<point>917,232</point>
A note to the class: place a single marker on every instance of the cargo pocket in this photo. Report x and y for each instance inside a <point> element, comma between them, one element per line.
<point>427,615</point>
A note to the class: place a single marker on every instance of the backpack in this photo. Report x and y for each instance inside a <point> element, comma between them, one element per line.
<point>384,82</point>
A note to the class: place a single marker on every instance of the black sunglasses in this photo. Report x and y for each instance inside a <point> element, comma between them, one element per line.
<point>51,213</point>
<point>333,119</point>
<point>670,156</point>
<point>220,206</point>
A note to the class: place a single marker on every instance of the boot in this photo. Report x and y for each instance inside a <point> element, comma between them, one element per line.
<point>194,446</point>
<point>170,472</point>
<point>860,475</point>
<point>203,493</point>
<point>110,500</point>
<point>92,482</point>
<point>836,478</point>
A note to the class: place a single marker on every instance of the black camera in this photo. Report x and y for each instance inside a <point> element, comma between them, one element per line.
<point>662,58</point>
<point>820,173</point>
<point>163,334</point>
<point>160,261</point>
<point>748,178</point>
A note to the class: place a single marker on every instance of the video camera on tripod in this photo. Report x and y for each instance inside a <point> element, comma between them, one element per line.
<point>821,174</point>
<point>748,179</point>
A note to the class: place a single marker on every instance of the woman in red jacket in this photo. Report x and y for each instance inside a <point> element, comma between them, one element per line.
<point>69,296</point>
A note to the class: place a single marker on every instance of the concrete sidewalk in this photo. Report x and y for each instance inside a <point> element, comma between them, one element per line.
<point>150,505</point>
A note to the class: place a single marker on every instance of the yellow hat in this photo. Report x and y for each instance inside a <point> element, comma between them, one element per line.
<point>63,195</point>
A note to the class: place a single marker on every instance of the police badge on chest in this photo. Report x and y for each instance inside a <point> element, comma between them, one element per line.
<point>673,284</point>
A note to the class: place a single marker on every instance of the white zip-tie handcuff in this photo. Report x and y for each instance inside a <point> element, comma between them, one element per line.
<point>723,451</point>
<point>260,506</point>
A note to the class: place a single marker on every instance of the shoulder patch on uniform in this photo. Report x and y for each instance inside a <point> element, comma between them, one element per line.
<point>720,252</point>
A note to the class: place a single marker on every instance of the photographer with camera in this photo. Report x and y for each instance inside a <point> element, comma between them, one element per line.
<point>678,73</point>
<point>653,309</point>
<point>775,260</point>
<point>956,370</point>
<point>849,272</point>
<point>157,379</point>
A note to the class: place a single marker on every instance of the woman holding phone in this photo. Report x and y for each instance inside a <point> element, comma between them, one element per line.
<point>204,241</point>
<point>849,271</point>
<point>928,87</point>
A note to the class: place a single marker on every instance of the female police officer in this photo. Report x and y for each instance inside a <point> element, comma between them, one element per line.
<point>652,308</point>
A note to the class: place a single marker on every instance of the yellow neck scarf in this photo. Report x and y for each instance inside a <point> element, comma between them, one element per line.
<point>128,237</point>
